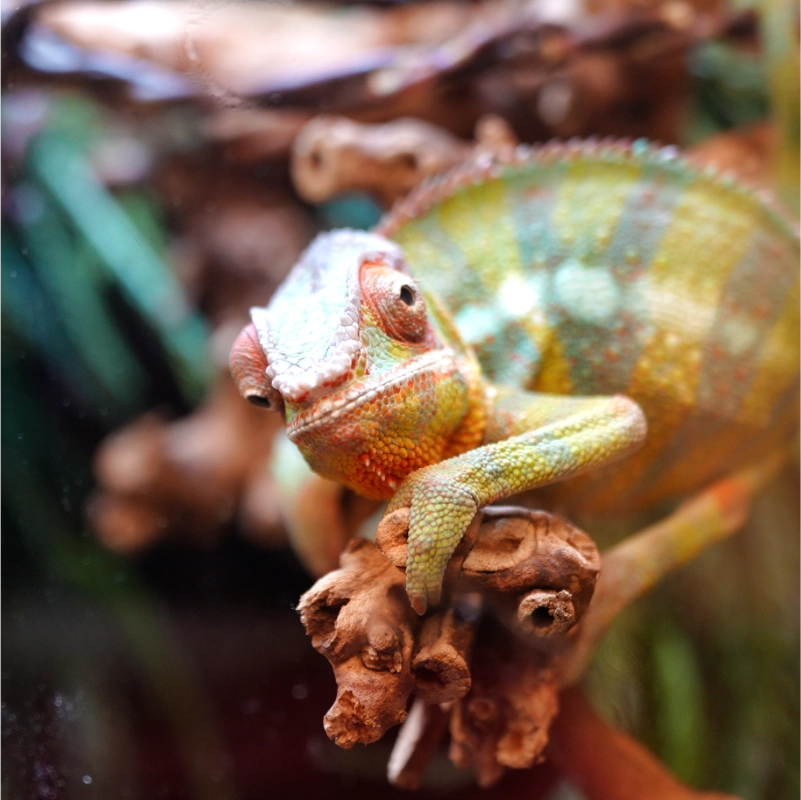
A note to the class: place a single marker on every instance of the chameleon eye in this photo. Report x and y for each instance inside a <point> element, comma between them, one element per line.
<point>397,303</point>
<point>259,400</point>
<point>248,364</point>
<point>408,294</point>
<point>263,396</point>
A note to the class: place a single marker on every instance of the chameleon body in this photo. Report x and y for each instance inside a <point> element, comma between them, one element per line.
<point>515,324</point>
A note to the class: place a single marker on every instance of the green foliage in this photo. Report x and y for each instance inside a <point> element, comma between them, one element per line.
<point>731,90</point>
<point>704,670</point>
<point>92,316</point>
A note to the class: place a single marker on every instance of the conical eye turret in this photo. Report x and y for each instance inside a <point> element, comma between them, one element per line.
<point>248,365</point>
<point>396,301</point>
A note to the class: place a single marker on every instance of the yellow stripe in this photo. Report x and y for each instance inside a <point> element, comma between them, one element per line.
<point>591,200</point>
<point>587,209</point>
<point>554,375</point>
<point>778,367</point>
<point>481,221</point>
<point>709,234</point>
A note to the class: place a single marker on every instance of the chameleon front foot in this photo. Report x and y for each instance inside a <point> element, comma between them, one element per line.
<point>440,514</point>
<point>430,547</point>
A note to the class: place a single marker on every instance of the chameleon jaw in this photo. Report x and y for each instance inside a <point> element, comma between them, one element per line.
<point>327,410</point>
<point>372,435</point>
<point>389,480</point>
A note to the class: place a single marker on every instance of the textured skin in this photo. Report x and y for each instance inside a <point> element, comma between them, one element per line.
<point>591,271</point>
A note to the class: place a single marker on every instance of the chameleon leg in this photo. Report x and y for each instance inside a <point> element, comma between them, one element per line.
<point>320,515</point>
<point>576,434</point>
<point>632,567</point>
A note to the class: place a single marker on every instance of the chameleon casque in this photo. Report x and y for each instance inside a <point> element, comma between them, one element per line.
<point>516,323</point>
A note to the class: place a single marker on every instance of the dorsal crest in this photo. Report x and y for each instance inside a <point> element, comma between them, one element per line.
<point>625,153</point>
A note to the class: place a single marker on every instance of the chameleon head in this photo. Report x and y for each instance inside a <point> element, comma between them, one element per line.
<point>349,351</point>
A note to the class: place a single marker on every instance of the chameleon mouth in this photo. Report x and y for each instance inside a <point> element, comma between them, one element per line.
<point>328,410</point>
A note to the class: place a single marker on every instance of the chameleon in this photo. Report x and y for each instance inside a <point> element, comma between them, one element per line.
<point>597,320</point>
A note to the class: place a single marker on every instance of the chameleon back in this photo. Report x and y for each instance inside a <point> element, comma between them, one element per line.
<point>614,268</point>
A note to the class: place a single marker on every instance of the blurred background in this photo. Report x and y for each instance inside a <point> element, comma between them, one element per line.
<point>150,197</point>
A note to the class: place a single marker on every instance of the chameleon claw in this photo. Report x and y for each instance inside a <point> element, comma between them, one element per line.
<point>420,596</point>
<point>441,513</point>
<point>419,604</point>
<point>426,597</point>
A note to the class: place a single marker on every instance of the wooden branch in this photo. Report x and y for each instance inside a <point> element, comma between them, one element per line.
<point>607,764</point>
<point>335,154</point>
<point>157,477</point>
<point>537,567</point>
<point>417,741</point>
<point>530,576</point>
<point>635,565</point>
<point>360,619</point>
<point>536,570</point>
<point>504,720</point>
<point>498,682</point>
<point>441,664</point>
